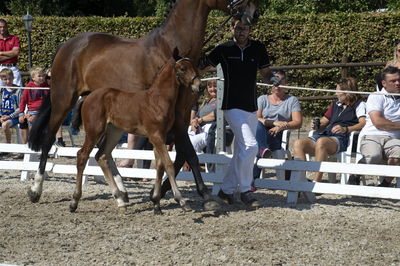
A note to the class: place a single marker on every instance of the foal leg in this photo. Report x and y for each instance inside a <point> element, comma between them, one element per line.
<point>155,194</point>
<point>185,151</point>
<point>105,161</point>
<point>82,158</point>
<point>162,154</point>
<point>113,136</point>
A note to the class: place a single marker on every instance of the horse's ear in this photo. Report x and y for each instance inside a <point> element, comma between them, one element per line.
<point>175,54</point>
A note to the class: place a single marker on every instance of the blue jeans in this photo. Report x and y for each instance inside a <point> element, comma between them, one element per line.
<point>265,140</point>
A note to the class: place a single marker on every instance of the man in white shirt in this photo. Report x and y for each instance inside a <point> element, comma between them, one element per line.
<point>380,138</point>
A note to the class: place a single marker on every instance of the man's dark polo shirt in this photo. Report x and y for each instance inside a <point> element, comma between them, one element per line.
<point>240,71</point>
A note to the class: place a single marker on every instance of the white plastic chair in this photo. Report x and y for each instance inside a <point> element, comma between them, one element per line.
<point>343,157</point>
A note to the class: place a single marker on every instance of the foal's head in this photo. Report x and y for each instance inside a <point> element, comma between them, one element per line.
<point>186,73</point>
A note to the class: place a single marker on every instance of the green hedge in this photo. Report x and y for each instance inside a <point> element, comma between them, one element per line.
<point>291,40</point>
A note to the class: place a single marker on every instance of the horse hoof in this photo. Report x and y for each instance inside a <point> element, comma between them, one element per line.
<point>34,196</point>
<point>186,208</point>
<point>122,209</point>
<point>211,205</point>
<point>157,211</point>
<point>125,197</point>
<point>73,207</point>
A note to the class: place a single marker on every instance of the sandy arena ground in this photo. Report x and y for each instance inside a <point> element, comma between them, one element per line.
<point>336,230</point>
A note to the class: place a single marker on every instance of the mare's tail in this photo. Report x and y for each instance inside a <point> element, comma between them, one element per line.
<point>39,131</point>
<point>76,120</point>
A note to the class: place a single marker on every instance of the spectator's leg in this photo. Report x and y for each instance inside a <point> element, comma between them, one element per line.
<point>199,141</point>
<point>131,144</point>
<point>261,137</point>
<point>24,131</point>
<point>7,131</point>
<point>60,141</point>
<point>392,152</point>
<point>303,146</point>
<point>323,147</point>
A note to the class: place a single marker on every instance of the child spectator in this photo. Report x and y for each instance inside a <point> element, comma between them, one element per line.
<point>9,103</point>
<point>32,99</point>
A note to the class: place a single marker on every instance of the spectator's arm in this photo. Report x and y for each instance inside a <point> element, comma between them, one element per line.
<point>259,117</point>
<point>382,123</point>
<point>4,55</point>
<point>358,126</point>
<point>324,122</point>
<point>210,117</point>
<point>297,120</point>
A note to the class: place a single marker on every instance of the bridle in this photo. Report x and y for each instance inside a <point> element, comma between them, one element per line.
<point>181,79</point>
<point>234,11</point>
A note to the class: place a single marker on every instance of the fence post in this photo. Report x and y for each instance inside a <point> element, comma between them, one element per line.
<point>345,70</point>
<point>220,134</point>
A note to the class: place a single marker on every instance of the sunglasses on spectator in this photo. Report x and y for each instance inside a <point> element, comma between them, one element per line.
<point>48,77</point>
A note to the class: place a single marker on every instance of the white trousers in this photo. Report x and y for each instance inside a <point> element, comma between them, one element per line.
<point>17,76</point>
<point>199,141</point>
<point>239,175</point>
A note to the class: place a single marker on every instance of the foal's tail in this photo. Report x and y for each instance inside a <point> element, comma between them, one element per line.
<point>76,120</point>
<point>39,131</point>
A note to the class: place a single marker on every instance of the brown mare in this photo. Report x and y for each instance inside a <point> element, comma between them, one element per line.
<point>107,113</point>
<point>93,61</point>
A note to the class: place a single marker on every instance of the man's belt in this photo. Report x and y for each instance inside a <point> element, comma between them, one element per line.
<point>8,65</point>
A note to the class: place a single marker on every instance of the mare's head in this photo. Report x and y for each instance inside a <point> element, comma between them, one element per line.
<point>186,73</point>
<point>244,10</point>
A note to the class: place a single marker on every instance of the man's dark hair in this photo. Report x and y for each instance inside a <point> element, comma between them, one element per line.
<point>390,70</point>
<point>3,21</point>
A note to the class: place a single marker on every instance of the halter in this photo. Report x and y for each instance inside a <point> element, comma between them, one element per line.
<point>177,74</point>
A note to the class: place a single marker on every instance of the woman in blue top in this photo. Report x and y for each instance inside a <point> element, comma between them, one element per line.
<point>276,112</point>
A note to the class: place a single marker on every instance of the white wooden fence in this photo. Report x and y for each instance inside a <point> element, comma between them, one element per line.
<point>298,182</point>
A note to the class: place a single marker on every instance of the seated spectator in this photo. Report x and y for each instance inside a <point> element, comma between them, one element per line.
<point>380,138</point>
<point>32,99</point>
<point>342,117</point>
<point>9,103</point>
<point>276,112</point>
<point>203,118</point>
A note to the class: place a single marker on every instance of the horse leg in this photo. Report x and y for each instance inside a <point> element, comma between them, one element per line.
<point>162,154</point>
<point>42,137</point>
<point>155,194</point>
<point>185,151</point>
<point>35,191</point>
<point>82,158</point>
<point>105,161</point>
<point>113,136</point>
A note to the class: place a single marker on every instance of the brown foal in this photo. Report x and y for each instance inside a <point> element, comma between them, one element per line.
<point>107,113</point>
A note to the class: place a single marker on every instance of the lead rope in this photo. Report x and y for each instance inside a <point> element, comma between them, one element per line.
<point>215,32</point>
